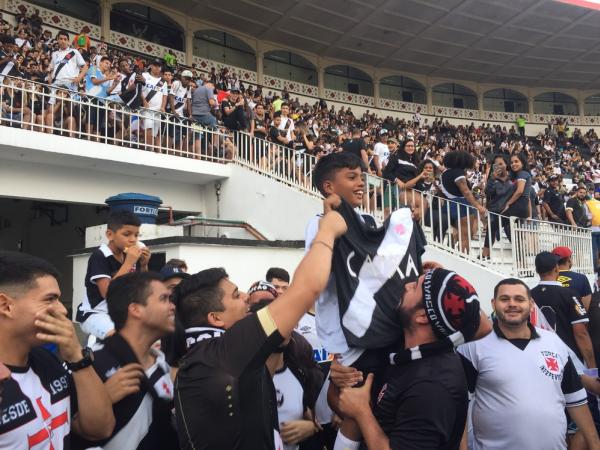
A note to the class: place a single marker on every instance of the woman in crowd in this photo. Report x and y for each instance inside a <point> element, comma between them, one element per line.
<point>401,170</point>
<point>427,185</point>
<point>519,204</point>
<point>499,188</point>
<point>463,206</point>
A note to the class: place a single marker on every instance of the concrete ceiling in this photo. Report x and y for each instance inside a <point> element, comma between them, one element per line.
<point>524,42</point>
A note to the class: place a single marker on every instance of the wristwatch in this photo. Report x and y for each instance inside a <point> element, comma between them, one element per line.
<point>86,361</point>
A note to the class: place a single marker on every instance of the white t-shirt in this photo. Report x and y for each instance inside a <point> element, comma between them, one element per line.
<point>328,321</point>
<point>23,44</point>
<point>307,327</point>
<point>290,127</point>
<point>181,95</point>
<point>154,84</point>
<point>288,392</point>
<point>383,152</point>
<point>523,385</point>
<point>71,69</point>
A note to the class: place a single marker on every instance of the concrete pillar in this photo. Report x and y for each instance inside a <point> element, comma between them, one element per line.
<point>260,64</point>
<point>189,46</point>
<point>581,105</point>
<point>429,93</point>
<point>480,100</point>
<point>105,7</point>
<point>321,80</point>
<point>376,92</point>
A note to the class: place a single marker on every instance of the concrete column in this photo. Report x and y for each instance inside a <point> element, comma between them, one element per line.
<point>321,80</point>
<point>3,5</point>
<point>581,105</point>
<point>189,46</point>
<point>105,7</point>
<point>260,64</point>
<point>480,100</point>
<point>530,101</point>
<point>429,93</point>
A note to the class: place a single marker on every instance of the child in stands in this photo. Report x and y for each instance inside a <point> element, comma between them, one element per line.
<point>123,254</point>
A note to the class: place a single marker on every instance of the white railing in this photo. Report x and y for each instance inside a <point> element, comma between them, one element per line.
<point>506,244</point>
<point>534,236</point>
<point>53,110</point>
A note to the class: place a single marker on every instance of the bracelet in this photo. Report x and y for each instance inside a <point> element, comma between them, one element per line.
<point>324,243</point>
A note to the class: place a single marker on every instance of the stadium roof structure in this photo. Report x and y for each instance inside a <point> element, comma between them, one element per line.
<point>524,42</point>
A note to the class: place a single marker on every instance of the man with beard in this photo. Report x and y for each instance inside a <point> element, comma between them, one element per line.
<point>524,373</point>
<point>423,402</point>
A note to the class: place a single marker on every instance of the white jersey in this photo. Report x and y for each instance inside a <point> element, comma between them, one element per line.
<point>383,152</point>
<point>287,125</point>
<point>158,85</point>
<point>531,387</point>
<point>289,393</point>
<point>35,411</point>
<point>181,96</point>
<point>328,321</point>
<point>73,62</point>
<point>307,327</point>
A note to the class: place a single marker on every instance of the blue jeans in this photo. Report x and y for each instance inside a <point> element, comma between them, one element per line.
<point>208,120</point>
<point>595,247</point>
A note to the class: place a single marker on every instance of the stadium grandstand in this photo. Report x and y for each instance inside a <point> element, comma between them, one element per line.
<point>216,130</point>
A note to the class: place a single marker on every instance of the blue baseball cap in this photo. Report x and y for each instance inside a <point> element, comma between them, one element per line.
<point>168,272</point>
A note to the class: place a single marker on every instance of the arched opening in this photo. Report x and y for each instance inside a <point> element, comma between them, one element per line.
<point>454,96</point>
<point>348,79</point>
<point>290,66</point>
<point>225,48</point>
<point>146,23</point>
<point>505,100</point>
<point>591,107</point>
<point>87,10</point>
<point>402,88</point>
<point>555,103</point>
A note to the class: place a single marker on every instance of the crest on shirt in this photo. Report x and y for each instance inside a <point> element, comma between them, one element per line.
<point>550,365</point>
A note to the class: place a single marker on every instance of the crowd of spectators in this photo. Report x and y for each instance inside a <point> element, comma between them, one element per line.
<point>163,106</point>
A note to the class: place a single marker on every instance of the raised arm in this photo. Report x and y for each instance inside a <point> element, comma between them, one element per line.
<point>311,276</point>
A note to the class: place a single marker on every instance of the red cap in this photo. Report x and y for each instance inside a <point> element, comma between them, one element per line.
<point>562,252</point>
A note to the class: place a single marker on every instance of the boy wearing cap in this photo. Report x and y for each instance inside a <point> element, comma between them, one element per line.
<point>423,403</point>
<point>569,279</point>
<point>562,309</point>
<point>553,202</point>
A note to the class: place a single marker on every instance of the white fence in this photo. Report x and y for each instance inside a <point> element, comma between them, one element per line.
<point>506,244</point>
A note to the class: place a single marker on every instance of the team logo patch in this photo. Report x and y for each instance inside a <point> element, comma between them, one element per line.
<point>550,365</point>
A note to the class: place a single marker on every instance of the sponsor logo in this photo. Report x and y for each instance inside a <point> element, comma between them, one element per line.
<point>137,209</point>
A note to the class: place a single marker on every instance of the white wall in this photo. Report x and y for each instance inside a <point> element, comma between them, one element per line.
<point>244,264</point>
<point>274,209</point>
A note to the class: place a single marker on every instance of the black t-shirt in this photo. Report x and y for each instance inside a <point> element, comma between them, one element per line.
<point>274,133</point>
<point>259,123</point>
<point>400,169</point>
<point>579,212</point>
<point>594,330</point>
<point>555,201</point>
<point>423,404</point>
<point>144,420</point>
<point>354,146</point>
<point>449,179</point>
<point>562,309</point>
<point>224,395</point>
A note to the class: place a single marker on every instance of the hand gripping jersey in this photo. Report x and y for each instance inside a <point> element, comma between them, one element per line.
<point>370,266</point>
